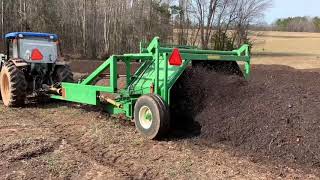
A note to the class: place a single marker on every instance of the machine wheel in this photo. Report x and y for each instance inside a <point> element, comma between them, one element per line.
<point>63,74</point>
<point>166,124</point>
<point>13,86</point>
<point>151,117</point>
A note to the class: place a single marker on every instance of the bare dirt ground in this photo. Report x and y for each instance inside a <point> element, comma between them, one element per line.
<point>65,141</point>
<point>69,141</point>
<point>266,128</point>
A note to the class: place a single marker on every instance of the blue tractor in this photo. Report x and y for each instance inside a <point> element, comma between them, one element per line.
<point>32,66</point>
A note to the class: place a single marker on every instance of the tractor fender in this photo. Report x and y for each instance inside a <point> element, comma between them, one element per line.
<point>18,62</point>
<point>61,63</point>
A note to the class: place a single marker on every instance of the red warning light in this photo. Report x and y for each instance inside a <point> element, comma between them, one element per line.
<point>36,55</point>
<point>175,58</point>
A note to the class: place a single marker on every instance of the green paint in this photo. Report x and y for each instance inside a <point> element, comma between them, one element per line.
<point>155,70</point>
<point>148,116</point>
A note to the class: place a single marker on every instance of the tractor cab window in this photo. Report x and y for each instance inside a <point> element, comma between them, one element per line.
<point>10,48</point>
<point>37,49</point>
<point>13,48</point>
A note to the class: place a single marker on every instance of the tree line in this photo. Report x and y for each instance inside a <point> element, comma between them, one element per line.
<point>298,24</point>
<point>99,28</point>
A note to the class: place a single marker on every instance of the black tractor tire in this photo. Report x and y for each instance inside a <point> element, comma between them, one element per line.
<point>157,124</point>
<point>13,86</point>
<point>63,73</point>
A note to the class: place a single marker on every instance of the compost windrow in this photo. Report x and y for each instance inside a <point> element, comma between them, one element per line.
<point>274,115</point>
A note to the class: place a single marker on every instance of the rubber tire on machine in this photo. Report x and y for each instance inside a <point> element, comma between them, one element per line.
<point>160,117</point>
<point>63,74</point>
<point>13,86</point>
<point>166,124</point>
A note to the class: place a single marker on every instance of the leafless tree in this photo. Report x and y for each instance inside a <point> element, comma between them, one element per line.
<point>99,28</point>
<point>216,17</point>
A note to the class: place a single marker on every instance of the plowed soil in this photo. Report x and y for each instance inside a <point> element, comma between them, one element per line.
<point>266,128</point>
<point>275,115</point>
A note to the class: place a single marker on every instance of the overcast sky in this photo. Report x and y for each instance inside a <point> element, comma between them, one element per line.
<point>287,8</point>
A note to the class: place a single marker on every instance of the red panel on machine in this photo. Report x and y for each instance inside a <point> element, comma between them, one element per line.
<point>36,55</point>
<point>175,58</point>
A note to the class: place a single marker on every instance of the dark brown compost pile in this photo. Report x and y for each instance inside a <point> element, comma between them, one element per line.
<point>275,114</point>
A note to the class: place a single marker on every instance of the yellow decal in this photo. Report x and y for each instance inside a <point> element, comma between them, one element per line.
<point>214,57</point>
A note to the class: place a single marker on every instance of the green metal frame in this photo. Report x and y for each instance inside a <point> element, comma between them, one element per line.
<point>155,75</point>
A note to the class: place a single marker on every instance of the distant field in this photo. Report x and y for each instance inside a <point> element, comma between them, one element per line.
<point>273,43</point>
<point>286,43</point>
<point>297,50</point>
<point>294,49</point>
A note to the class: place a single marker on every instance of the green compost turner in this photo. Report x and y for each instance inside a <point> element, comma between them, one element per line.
<point>146,96</point>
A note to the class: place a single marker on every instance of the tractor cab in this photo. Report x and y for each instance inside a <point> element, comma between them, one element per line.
<point>32,47</point>
<point>31,67</point>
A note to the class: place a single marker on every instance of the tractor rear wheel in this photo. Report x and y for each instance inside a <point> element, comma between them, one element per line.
<point>13,86</point>
<point>151,117</point>
<point>63,74</point>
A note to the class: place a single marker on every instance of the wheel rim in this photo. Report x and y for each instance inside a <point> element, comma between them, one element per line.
<point>5,89</point>
<point>145,117</point>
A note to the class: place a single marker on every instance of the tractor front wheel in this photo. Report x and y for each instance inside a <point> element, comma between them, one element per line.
<point>151,117</point>
<point>13,86</point>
